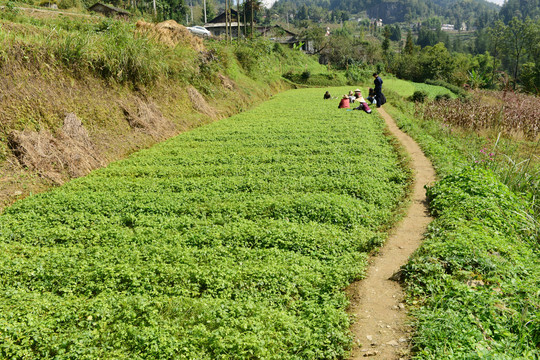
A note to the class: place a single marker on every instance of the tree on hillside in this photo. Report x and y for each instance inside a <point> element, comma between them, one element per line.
<point>386,41</point>
<point>303,13</point>
<point>409,45</point>
<point>426,37</point>
<point>433,23</point>
<point>520,9</point>
<point>317,13</point>
<point>172,9</point>
<point>496,36</point>
<point>316,34</point>
<point>516,37</point>
<point>530,74</point>
<point>251,9</point>
<point>210,11</point>
<point>436,63</point>
<point>485,64</point>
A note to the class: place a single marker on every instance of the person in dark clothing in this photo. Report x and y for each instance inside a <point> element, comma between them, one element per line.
<point>371,96</point>
<point>327,95</point>
<point>379,96</point>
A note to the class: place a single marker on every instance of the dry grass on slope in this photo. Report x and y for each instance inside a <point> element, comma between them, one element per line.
<point>170,33</point>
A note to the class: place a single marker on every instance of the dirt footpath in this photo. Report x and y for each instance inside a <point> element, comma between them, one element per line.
<point>380,327</point>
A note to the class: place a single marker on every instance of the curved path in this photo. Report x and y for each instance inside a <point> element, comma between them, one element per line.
<point>380,327</point>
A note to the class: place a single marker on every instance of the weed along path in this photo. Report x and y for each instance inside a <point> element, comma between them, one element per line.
<point>380,328</point>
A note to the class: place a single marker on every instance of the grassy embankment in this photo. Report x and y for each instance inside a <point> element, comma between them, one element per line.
<point>473,284</point>
<point>129,89</point>
<point>233,240</point>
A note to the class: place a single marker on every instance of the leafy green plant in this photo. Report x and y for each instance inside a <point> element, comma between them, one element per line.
<point>235,238</point>
<point>477,79</point>
<point>298,46</point>
<point>419,96</point>
<point>474,280</point>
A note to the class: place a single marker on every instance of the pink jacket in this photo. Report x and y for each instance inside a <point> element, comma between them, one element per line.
<point>344,104</point>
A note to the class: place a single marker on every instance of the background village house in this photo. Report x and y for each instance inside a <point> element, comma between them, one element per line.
<point>217,26</point>
<point>109,11</point>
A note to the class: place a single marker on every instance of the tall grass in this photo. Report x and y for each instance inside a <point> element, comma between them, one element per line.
<point>109,49</point>
<point>112,50</point>
<point>114,54</point>
<point>128,58</point>
<point>522,175</point>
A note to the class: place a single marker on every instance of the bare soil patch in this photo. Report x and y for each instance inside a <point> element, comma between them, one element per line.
<point>380,327</point>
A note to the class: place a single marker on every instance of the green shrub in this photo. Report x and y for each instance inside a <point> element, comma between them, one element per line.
<point>419,96</point>
<point>358,74</point>
<point>442,97</point>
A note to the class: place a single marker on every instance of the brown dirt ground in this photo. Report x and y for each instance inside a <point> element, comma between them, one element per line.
<point>380,328</point>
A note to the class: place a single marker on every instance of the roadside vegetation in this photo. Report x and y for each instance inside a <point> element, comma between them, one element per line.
<point>473,284</point>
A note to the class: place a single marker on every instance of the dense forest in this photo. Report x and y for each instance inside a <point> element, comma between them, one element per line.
<point>454,12</point>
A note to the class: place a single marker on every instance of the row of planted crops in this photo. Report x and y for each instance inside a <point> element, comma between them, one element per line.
<point>235,240</point>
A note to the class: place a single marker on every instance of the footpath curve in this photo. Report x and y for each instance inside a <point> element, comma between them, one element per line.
<point>380,328</point>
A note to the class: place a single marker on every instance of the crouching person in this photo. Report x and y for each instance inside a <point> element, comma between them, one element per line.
<point>363,104</point>
<point>344,103</point>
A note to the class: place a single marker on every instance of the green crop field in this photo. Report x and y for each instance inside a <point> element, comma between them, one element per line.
<point>235,240</point>
<point>407,88</point>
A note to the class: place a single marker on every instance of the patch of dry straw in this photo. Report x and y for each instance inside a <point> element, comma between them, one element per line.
<point>170,33</point>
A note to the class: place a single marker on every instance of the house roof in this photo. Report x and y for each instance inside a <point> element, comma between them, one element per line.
<point>221,17</point>
<point>219,25</point>
<point>266,29</point>
<point>107,9</point>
